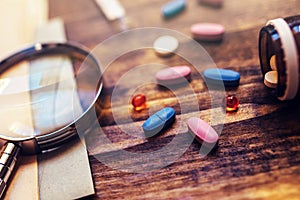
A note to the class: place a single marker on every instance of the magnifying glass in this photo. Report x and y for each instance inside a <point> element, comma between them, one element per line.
<point>46,93</point>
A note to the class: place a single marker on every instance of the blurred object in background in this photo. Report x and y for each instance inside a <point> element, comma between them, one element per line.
<point>19,20</point>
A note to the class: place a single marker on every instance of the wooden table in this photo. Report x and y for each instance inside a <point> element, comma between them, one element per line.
<point>259,148</point>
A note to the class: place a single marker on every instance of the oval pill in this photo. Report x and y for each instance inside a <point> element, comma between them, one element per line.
<point>173,75</point>
<point>165,45</point>
<point>271,79</point>
<point>230,78</point>
<point>207,31</point>
<point>202,131</point>
<point>214,3</point>
<point>173,8</point>
<point>159,121</point>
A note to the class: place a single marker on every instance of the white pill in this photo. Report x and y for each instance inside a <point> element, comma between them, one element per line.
<point>271,79</point>
<point>165,45</point>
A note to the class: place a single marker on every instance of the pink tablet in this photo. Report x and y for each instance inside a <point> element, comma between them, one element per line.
<point>202,131</point>
<point>173,75</point>
<point>207,31</point>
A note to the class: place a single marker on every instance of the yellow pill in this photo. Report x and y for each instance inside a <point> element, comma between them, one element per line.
<point>273,62</point>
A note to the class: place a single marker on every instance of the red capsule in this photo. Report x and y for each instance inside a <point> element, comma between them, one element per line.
<point>139,102</point>
<point>232,103</point>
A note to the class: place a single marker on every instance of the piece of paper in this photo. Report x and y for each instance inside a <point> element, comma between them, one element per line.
<point>65,173</point>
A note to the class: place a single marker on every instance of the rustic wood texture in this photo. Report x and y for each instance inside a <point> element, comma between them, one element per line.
<point>259,149</point>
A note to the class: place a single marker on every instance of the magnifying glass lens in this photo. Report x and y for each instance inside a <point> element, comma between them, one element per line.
<point>44,93</point>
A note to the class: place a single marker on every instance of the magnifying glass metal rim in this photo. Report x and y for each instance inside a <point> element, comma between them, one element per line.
<point>51,140</point>
<point>36,144</point>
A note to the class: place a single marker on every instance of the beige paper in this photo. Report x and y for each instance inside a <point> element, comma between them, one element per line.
<point>63,174</point>
<point>24,184</point>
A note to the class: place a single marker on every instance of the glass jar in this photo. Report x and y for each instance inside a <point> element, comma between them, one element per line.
<point>279,47</point>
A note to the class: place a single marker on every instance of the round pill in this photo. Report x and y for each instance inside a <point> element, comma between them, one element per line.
<point>165,45</point>
<point>207,32</point>
<point>214,3</point>
<point>139,102</point>
<point>173,8</point>
<point>232,103</point>
<point>173,75</point>
<point>202,131</point>
<point>271,79</point>
<point>159,121</point>
<point>229,78</point>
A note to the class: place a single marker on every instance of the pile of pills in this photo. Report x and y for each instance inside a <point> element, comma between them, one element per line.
<point>167,45</point>
<point>164,118</point>
<point>271,77</point>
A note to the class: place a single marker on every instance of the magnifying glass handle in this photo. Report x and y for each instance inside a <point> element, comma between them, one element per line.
<point>8,158</point>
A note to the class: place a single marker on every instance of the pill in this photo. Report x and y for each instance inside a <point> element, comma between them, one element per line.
<point>173,75</point>
<point>159,121</point>
<point>214,3</point>
<point>271,79</point>
<point>273,62</point>
<point>165,45</point>
<point>207,32</point>
<point>173,8</point>
<point>230,78</point>
<point>202,131</point>
<point>139,102</point>
<point>232,103</point>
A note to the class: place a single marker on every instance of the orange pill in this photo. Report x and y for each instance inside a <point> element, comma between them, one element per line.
<point>139,102</point>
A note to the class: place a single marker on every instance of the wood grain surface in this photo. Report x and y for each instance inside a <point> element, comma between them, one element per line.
<point>258,156</point>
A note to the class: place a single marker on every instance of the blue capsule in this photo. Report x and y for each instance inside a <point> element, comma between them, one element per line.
<point>159,121</point>
<point>173,8</point>
<point>230,78</point>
